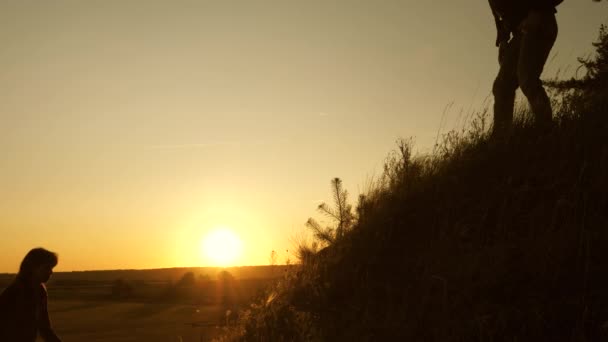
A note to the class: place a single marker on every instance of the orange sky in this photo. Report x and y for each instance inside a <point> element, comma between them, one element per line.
<point>131,129</point>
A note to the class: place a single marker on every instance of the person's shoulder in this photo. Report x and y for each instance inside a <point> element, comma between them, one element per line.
<point>10,292</point>
<point>11,288</point>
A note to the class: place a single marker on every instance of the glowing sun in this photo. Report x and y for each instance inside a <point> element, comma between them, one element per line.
<point>222,247</point>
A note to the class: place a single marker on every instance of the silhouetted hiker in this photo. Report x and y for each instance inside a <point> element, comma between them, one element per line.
<point>526,32</point>
<point>23,304</point>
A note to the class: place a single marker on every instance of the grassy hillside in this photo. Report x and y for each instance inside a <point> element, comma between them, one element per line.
<point>481,241</point>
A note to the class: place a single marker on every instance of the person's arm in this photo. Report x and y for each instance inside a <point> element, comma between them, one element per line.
<point>3,304</point>
<point>3,314</point>
<point>44,328</point>
<point>502,32</point>
<point>7,314</point>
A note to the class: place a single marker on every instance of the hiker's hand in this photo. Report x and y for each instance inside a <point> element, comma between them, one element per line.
<point>503,38</point>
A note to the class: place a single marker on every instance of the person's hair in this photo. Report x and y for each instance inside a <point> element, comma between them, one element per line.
<point>36,258</point>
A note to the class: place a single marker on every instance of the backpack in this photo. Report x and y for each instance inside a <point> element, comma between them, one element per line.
<point>514,8</point>
<point>544,3</point>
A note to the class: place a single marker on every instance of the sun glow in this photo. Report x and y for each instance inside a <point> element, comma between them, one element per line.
<point>222,247</point>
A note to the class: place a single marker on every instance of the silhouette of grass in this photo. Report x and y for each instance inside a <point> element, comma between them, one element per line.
<point>482,240</point>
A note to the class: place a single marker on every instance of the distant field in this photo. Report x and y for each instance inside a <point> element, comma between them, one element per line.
<point>175,305</point>
<point>91,321</point>
<point>159,275</point>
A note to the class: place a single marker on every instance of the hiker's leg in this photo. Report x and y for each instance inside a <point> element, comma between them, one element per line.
<point>505,84</point>
<point>539,34</point>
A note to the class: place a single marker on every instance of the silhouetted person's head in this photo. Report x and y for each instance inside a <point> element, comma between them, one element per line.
<point>37,266</point>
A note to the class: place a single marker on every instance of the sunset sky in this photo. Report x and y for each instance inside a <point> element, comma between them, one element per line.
<point>130,130</point>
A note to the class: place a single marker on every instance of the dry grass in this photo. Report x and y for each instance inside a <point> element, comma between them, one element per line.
<point>482,240</point>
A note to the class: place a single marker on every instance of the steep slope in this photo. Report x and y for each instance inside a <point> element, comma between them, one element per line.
<point>482,241</point>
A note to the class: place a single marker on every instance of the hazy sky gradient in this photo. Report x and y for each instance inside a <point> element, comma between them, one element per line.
<point>129,129</point>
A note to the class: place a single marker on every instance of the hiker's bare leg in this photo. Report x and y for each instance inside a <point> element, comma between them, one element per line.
<point>505,85</point>
<point>539,34</point>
